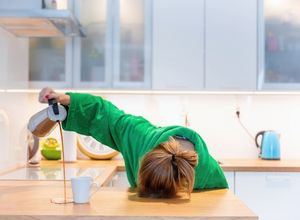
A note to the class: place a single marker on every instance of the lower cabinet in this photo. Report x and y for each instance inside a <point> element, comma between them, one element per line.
<point>271,195</point>
<point>120,180</point>
<point>230,179</point>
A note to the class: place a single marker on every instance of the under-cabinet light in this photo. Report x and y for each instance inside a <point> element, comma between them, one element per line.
<point>157,92</point>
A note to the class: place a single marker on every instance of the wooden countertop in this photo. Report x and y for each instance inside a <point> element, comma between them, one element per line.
<point>258,165</point>
<point>31,200</point>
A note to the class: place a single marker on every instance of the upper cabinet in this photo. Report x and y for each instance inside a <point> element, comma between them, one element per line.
<point>172,44</point>
<point>230,44</point>
<point>13,61</point>
<point>50,62</point>
<point>279,49</point>
<point>178,44</point>
<point>210,45</point>
<point>114,54</point>
<point>93,54</point>
<point>116,51</point>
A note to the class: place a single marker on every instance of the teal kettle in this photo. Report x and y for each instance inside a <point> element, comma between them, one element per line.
<point>269,146</point>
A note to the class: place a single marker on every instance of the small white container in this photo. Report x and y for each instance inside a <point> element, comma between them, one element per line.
<point>70,146</point>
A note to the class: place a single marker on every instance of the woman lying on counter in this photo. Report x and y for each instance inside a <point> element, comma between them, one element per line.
<point>159,161</point>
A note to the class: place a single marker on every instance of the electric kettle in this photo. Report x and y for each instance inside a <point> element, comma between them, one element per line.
<point>43,122</point>
<point>269,146</point>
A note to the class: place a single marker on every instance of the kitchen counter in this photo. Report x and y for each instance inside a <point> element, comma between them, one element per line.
<point>31,200</point>
<point>258,165</point>
<point>117,164</point>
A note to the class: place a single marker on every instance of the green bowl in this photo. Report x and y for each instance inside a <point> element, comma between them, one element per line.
<point>52,154</point>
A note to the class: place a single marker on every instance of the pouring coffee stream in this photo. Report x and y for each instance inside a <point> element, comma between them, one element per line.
<point>43,123</point>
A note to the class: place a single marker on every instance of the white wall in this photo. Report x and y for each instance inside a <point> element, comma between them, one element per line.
<point>213,117</point>
<point>13,106</point>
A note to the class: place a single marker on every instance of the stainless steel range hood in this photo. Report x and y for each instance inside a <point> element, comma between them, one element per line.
<point>40,23</point>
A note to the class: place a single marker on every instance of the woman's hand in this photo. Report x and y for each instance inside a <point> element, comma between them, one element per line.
<point>48,93</point>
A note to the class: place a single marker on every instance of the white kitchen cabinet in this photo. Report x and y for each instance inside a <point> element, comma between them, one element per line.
<point>230,44</point>
<point>116,51</point>
<point>271,195</point>
<point>208,45</point>
<point>132,44</point>
<point>17,4</point>
<point>279,49</point>
<point>114,54</point>
<point>50,62</point>
<point>230,179</point>
<point>13,61</point>
<point>178,44</point>
<point>170,44</point>
<point>92,54</point>
<point>120,179</point>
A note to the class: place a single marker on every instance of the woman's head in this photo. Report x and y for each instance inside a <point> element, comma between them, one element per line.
<point>166,170</point>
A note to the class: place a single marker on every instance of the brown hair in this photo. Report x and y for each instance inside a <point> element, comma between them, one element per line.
<point>166,170</point>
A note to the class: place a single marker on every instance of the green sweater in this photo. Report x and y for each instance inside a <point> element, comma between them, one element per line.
<point>134,136</point>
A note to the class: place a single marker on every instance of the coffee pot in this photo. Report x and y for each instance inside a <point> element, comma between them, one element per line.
<point>44,121</point>
<point>269,146</point>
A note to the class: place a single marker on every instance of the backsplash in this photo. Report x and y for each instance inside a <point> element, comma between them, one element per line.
<point>13,105</point>
<point>213,116</point>
<point>13,129</point>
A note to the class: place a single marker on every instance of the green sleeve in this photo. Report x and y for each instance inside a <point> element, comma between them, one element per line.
<point>93,116</point>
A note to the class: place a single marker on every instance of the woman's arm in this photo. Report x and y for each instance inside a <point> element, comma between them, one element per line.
<point>93,116</point>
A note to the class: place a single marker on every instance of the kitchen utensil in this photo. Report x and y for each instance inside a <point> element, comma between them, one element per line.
<point>269,146</point>
<point>43,122</point>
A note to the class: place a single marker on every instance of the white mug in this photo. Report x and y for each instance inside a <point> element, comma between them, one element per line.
<point>81,188</point>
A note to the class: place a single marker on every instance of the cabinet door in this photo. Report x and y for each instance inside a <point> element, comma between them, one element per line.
<point>279,45</point>
<point>17,4</point>
<point>231,45</point>
<point>50,62</point>
<point>92,54</point>
<point>116,51</point>
<point>131,43</point>
<point>272,196</point>
<point>230,179</point>
<point>178,44</point>
<point>13,61</point>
